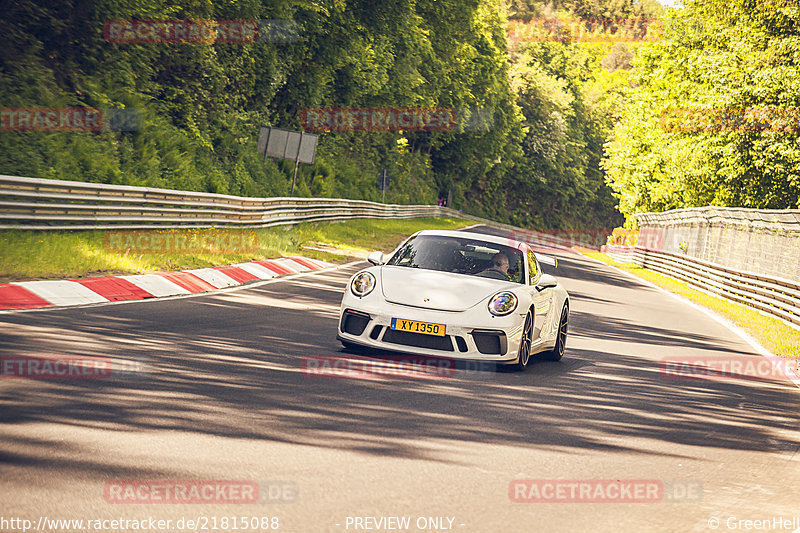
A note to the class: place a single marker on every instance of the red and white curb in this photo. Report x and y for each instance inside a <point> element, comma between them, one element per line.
<point>36,294</point>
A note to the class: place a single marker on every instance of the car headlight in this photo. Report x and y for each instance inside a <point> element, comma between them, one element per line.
<point>502,303</point>
<point>362,284</point>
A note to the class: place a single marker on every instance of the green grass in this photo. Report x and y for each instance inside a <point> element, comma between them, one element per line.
<point>772,333</point>
<point>29,255</point>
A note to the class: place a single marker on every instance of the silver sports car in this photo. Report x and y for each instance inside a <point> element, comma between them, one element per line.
<point>459,295</point>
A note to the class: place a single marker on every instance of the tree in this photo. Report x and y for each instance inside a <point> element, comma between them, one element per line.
<point>714,117</point>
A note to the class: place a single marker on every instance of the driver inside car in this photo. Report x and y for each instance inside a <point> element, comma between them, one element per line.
<point>498,268</point>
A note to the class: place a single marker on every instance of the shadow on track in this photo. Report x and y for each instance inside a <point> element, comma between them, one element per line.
<point>231,364</point>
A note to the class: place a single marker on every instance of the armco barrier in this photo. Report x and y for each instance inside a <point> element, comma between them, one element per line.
<point>43,204</point>
<point>777,297</point>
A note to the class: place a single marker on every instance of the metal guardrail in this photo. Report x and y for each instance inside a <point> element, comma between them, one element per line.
<point>43,204</point>
<point>772,295</point>
<point>730,216</point>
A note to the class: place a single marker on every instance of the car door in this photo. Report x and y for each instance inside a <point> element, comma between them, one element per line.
<point>542,299</point>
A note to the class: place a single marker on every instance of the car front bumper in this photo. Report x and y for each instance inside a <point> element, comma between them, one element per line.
<point>473,334</point>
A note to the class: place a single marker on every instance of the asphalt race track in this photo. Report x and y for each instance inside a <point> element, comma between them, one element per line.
<point>218,388</point>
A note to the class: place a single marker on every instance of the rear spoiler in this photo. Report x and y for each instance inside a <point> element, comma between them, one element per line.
<point>547,260</point>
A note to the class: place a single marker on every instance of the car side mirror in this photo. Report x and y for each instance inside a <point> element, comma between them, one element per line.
<point>376,258</point>
<point>546,282</point>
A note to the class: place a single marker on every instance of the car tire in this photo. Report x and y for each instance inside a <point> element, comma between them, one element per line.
<point>524,353</point>
<point>561,338</point>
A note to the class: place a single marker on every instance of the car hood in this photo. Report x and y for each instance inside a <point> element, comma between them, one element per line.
<point>442,290</point>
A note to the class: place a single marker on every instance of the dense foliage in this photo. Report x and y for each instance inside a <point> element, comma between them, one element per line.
<point>545,106</point>
<point>715,116</point>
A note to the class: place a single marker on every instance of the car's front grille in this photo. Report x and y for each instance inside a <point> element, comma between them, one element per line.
<point>407,338</point>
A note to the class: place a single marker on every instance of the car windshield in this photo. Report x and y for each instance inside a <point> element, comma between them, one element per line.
<point>461,255</point>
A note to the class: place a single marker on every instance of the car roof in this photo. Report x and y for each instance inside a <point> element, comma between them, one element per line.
<point>494,239</point>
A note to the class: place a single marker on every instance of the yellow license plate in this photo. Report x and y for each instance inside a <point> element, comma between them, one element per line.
<point>402,324</point>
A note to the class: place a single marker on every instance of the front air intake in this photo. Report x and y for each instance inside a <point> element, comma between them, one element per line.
<point>407,338</point>
<point>490,342</point>
<point>354,322</point>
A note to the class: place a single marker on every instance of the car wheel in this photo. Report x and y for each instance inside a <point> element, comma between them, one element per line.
<point>524,353</point>
<point>561,338</point>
